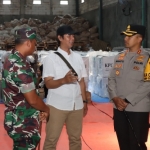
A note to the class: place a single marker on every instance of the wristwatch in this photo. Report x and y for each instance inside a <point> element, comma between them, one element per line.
<point>85,101</point>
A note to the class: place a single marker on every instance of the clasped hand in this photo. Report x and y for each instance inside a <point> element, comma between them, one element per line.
<point>119,103</point>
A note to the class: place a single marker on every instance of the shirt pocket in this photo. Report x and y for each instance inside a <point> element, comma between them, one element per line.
<point>61,71</point>
<point>136,73</point>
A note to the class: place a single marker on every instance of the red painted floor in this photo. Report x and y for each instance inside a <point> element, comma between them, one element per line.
<point>98,132</point>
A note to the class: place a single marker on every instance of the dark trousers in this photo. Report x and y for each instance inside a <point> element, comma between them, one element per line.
<point>126,138</point>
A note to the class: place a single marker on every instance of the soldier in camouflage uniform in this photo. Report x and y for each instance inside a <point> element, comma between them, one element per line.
<point>21,100</point>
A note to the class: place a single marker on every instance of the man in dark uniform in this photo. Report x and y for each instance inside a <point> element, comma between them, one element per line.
<point>129,92</point>
<point>21,100</point>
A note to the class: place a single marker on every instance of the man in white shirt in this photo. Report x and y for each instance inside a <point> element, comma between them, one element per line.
<point>66,92</point>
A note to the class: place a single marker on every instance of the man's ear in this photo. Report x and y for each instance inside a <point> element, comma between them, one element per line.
<point>60,38</point>
<point>28,43</point>
<point>140,38</point>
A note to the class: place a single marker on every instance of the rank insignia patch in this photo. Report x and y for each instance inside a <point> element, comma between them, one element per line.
<point>136,68</point>
<point>118,66</point>
<point>140,58</point>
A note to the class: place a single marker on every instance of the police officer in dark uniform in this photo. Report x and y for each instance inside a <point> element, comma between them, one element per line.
<point>129,92</point>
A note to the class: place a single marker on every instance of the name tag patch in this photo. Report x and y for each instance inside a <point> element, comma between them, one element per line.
<point>137,62</point>
<point>119,60</point>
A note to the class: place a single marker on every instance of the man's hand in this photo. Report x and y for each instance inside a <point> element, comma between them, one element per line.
<point>44,116</point>
<point>88,96</point>
<point>119,103</point>
<point>85,109</point>
<point>70,78</point>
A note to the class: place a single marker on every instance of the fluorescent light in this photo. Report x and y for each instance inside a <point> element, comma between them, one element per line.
<point>63,2</point>
<point>82,1</point>
<point>36,1</point>
<point>6,2</point>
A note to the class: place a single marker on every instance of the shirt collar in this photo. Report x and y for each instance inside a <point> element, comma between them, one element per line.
<point>16,52</point>
<point>64,53</point>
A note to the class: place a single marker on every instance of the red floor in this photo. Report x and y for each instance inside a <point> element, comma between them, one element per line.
<point>98,131</point>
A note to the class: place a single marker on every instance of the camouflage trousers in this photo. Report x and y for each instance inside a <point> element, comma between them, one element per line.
<point>23,127</point>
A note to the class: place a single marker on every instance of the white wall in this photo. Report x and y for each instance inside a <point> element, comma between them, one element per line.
<point>42,9</point>
<point>64,9</point>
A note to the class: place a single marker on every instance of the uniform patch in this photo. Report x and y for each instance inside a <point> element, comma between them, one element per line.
<point>118,66</point>
<point>117,72</point>
<point>136,68</point>
<point>140,58</point>
<point>122,55</point>
<point>139,51</point>
<point>121,58</point>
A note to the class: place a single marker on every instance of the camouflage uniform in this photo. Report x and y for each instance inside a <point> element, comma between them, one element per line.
<point>21,119</point>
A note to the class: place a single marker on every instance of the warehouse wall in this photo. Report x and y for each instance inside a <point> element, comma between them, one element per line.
<point>46,11</point>
<point>13,9</point>
<point>116,21</point>
<point>113,19</point>
<point>90,5</point>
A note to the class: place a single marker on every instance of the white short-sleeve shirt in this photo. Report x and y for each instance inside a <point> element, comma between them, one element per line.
<point>66,96</point>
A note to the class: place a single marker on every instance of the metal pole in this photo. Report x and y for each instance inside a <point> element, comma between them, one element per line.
<point>22,8</point>
<point>101,20</point>
<point>77,8</point>
<point>51,8</point>
<point>144,20</point>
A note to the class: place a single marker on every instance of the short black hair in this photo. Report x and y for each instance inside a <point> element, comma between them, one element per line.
<point>20,41</point>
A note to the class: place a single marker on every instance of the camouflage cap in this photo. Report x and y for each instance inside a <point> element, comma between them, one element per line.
<point>26,33</point>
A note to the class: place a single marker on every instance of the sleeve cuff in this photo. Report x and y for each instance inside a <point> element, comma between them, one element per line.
<point>129,99</point>
<point>25,88</point>
<point>112,95</point>
<point>126,101</point>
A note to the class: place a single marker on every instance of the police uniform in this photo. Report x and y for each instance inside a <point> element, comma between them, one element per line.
<point>128,74</point>
<point>126,81</point>
<point>21,119</point>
